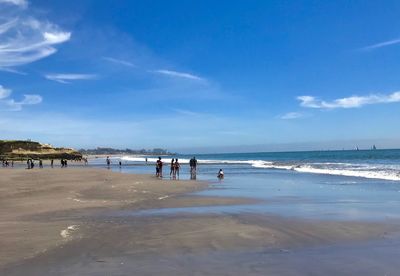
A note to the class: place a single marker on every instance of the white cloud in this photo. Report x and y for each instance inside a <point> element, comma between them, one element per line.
<point>65,78</point>
<point>56,37</point>
<point>29,99</point>
<point>4,92</point>
<point>178,74</point>
<point>20,3</point>
<point>25,39</point>
<point>349,102</point>
<point>381,44</point>
<point>292,115</point>
<point>119,61</point>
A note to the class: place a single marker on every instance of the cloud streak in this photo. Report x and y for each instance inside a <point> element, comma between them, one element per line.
<point>25,39</point>
<point>66,78</point>
<point>175,74</point>
<point>12,104</point>
<point>381,44</point>
<point>119,61</point>
<point>292,115</point>
<point>349,102</point>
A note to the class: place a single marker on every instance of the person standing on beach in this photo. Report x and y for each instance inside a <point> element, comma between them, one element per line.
<point>176,168</point>
<point>52,163</point>
<point>108,161</point>
<point>172,170</point>
<point>40,163</point>
<point>193,165</point>
<point>159,165</point>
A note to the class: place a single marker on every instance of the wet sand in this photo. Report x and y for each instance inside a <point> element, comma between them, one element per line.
<point>68,222</point>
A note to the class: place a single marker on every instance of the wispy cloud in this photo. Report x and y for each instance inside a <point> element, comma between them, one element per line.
<point>186,112</point>
<point>66,78</point>
<point>20,3</point>
<point>292,115</point>
<point>119,61</point>
<point>12,104</point>
<point>381,44</point>
<point>25,39</point>
<point>349,102</point>
<point>176,74</point>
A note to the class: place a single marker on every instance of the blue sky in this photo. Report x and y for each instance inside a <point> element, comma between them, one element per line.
<point>198,75</point>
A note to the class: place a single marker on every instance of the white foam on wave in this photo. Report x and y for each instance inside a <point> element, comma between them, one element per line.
<point>374,172</point>
<point>199,161</point>
<point>381,174</point>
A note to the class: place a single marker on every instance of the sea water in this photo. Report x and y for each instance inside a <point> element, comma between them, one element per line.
<point>347,185</point>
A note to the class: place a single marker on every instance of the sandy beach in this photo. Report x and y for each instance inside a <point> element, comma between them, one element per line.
<point>81,221</point>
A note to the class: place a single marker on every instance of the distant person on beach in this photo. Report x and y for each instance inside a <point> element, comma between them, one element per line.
<point>28,163</point>
<point>120,163</point>
<point>159,165</point>
<point>12,163</point>
<point>220,174</point>
<point>172,169</point>
<point>193,165</point>
<point>40,163</point>
<point>146,160</point>
<point>176,168</point>
<point>108,161</point>
<point>32,164</point>
<point>52,163</point>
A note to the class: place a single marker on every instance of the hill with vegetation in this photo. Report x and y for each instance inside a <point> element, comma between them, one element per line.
<point>19,149</point>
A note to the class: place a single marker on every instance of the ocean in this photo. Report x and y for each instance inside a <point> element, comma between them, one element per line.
<point>345,185</point>
<point>376,164</point>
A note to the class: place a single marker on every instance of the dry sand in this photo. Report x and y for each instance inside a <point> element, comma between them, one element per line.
<point>68,222</point>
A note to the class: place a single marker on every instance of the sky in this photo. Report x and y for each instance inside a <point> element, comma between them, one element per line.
<point>201,75</point>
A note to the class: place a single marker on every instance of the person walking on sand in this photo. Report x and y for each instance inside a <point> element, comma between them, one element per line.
<point>52,163</point>
<point>40,163</point>
<point>176,168</point>
<point>172,169</point>
<point>108,161</point>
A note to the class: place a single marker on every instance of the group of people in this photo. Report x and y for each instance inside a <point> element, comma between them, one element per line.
<point>175,166</point>
<point>6,163</point>
<point>31,164</point>
<point>64,163</point>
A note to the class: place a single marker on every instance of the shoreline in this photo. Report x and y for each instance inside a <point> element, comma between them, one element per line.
<point>77,221</point>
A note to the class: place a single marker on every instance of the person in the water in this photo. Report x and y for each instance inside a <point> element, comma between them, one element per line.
<point>220,174</point>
